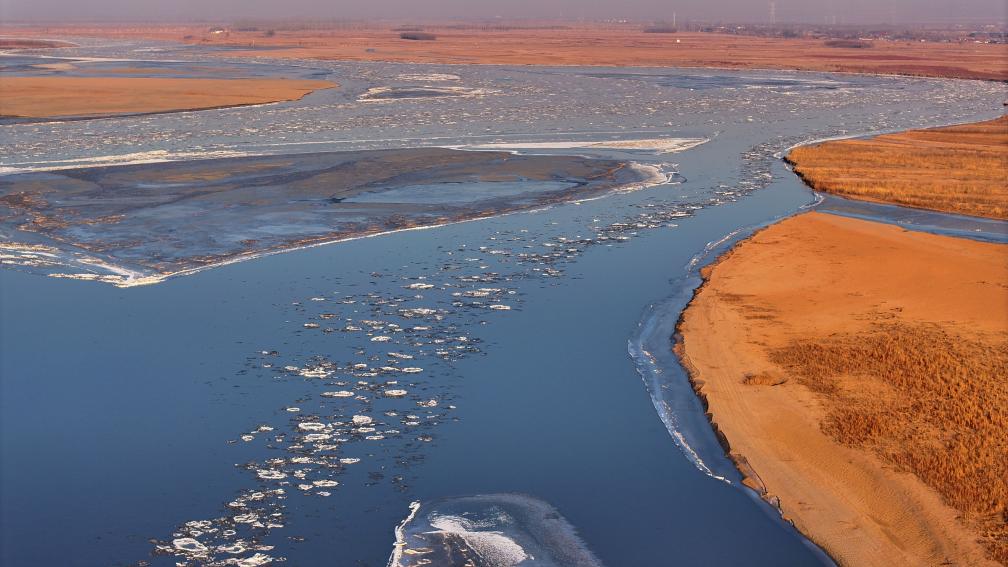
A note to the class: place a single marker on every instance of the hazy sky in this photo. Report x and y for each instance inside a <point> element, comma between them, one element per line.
<point>872,11</point>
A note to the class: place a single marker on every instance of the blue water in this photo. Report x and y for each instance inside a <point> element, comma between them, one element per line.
<point>122,410</point>
<point>116,403</point>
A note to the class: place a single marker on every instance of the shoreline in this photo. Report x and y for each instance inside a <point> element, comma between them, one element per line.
<point>793,504</point>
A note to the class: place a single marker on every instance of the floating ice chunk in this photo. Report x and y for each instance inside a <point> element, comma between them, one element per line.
<point>381,339</point>
<point>311,325</point>
<point>270,474</point>
<point>189,545</point>
<point>396,393</point>
<point>500,307</point>
<point>293,409</point>
<point>417,312</point>
<point>412,369</point>
<point>305,487</point>
<point>401,356</point>
<point>311,426</point>
<point>326,483</point>
<point>374,437</point>
<point>256,560</point>
<point>419,286</point>
<point>431,403</point>
<point>233,549</point>
<point>338,394</point>
<point>362,420</point>
<point>349,460</point>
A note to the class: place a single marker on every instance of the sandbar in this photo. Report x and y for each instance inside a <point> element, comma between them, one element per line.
<point>147,221</point>
<point>62,97</point>
<point>858,374</point>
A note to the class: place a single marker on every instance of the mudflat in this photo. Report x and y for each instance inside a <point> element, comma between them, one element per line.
<point>587,44</point>
<point>956,169</point>
<point>56,97</point>
<point>142,220</point>
<point>859,374</point>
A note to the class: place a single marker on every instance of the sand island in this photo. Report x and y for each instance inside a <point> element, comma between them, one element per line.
<point>857,370</point>
<point>61,97</point>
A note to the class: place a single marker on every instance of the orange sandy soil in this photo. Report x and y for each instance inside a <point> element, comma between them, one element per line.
<point>958,169</point>
<point>54,97</point>
<point>583,45</point>
<point>859,375</point>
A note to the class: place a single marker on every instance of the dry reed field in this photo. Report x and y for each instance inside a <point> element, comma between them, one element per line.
<point>860,372</point>
<point>925,401</point>
<point>958,169</point>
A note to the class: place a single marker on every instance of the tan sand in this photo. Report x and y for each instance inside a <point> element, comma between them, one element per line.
<point>860,375</point>
<point>53,97</point>
<point>583,44</point>
<point>958,169</point>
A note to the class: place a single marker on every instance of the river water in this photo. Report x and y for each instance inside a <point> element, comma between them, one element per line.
<point>295,405</point>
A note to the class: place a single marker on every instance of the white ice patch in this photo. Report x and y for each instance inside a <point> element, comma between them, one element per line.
<point>428,77</point>
<point>338,394</point>
<point>659,145</point>
<point>494,547</point>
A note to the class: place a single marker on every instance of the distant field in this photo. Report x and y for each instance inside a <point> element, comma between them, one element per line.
<point>54,97</point>
<point>959,169</point>
<point>582,45</point>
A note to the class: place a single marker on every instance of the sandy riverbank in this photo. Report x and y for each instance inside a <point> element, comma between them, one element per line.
<point>581,44</point>
<point>55,97</point>
<point>955,169</point>
<point>857,371</point>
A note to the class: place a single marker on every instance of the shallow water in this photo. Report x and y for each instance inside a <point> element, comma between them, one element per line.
<point>975,228</point>
<point>124,412</point>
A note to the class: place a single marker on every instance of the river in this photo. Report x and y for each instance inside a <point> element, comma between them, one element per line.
<point>174,422</point>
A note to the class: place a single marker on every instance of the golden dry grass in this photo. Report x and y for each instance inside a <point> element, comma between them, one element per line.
<point>959,169</point>
<point>861,370</point>
<point>925,401</point>
<point>51,97</point>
